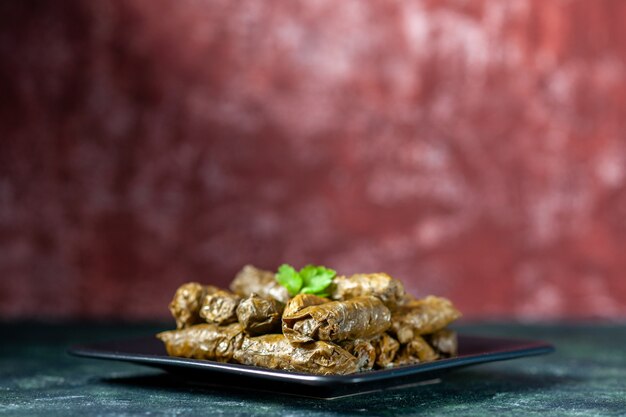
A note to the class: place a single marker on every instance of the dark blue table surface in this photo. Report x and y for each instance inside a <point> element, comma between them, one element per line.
<point>585,377</point>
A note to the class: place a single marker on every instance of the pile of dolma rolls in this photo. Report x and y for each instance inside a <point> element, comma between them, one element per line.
<point>368,322</point>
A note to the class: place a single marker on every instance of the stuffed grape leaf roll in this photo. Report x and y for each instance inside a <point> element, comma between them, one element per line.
<point>259,315</point>
<point>445,342</point>
<point>422,316</point>
<point>274,351</point>
<point>380,285</point>
<point>219,307</point>
<point>364,352</point>
<point>386,349</point>
<point>187,301</point>
<point>204,341</point>
<point>263,283</point>
<point>335,321</point>
<point>416,351</point>
<point>301,301</point>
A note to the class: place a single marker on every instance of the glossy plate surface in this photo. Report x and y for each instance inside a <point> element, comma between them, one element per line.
<point>150,352</point>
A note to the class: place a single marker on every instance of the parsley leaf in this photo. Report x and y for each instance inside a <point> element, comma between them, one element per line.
<point>289,278</point>
<point>310,280</point>
<point>316,279</point>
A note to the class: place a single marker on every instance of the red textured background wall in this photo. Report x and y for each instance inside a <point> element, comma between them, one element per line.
<point>474,149</point>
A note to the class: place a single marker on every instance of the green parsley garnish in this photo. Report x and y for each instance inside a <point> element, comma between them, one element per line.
<point>310,280</point>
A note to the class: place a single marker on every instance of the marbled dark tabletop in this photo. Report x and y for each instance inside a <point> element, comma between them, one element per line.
<point>585,377</point>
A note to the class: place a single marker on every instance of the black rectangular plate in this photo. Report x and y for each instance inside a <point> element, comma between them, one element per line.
<point>150,351</point>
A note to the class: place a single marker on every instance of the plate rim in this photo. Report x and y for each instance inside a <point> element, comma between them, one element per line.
<point>521,348</point>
